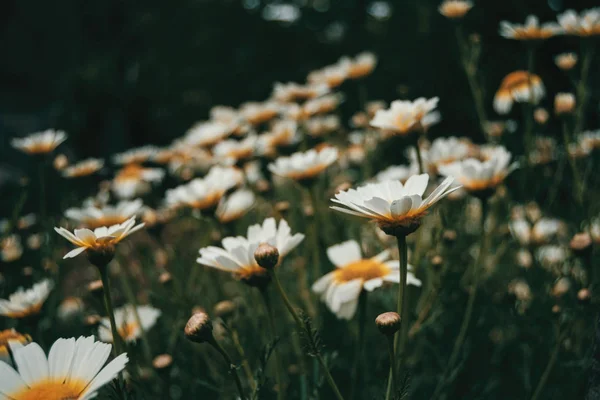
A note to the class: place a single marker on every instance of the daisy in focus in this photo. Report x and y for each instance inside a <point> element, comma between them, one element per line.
<point>531,30</point>
<point>93,217</point>
<point>39,142</point>
<point>73,370</point>
<point>83,168</point>
<point>304,167</point>
<point>127,324</point>
<point>520,87</point>
<point>100,240</point>
<point>396,208</point>
<point>6,337</point>
<point>455,9</point>
<point>24,303</point>
<point>237,254</point>
<point>404,117</point>
<point>134,180</point>
<point>340,289</point>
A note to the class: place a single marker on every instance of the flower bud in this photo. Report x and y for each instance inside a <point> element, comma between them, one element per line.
<point>388,323</point>
<point>564,103</point>
<point>566,61</point>
<point>581,243</point>
<point>165,278</point>
<point>584,295</point>
<point>199,328</point>
<point>60,162</point>
<point>540,116</point>
<point>266,256</point>
<point>162,362</point>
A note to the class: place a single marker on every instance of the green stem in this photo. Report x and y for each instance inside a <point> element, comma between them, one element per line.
<point>232,367</point>
<point>316,255</point>
<point>527,137</point>
<point>278,364</point>
<point>546,374</point>
<point>582,93</point>
<point>419,158</point>
<point>572,163</point>
<point>235,338</point>
<point>108,305</point>
<point>393,373</point>
<point>401,308</point>
<point>470,306</point>
<point>362,316</point>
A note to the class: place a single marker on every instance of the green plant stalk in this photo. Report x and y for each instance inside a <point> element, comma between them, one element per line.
<point>301,326</point>
<point>315,245</point>
<point>232,367</point>
<point>235,337</point>
<point>108,305</point>
<point>278,364</point>
<point>528,108</point>
<point>393,376</point>
<point>546,374</point>
<point>572,164</point>
<point>419,157</point>
<point>402,303</point>
<point>470,305</point>
<point>358,350</point>
<point>582,94</point>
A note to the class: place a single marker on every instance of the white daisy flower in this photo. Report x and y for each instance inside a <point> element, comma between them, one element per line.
<point>531,30</point>
<point>361,65</point>
<point>283,133</point>
<point>406,116</point>
<point>135,180</point>
<point>24,303</point>
<point>566,61</point>
<point>290,92</point>
<point>586,23</point>
<point>444,151</point>
<point>322,125</point>
<point>340,289</point>
<point>127,324</point>
<point>73,370</point>
<point>520,87</point>
<point>237,254</point>
<point>481,175</point>
<point>396,208</point>
<point>235,205</point>
<point>94,217</point>
<point>304,166</point>
<point>231,151</point>
<point>100,239</point>
<point>208,134</point>
<point>39,142</point>
<point>331,75</point>
<point>205,193</point>
<point>11,248</point>
<point>258,113</point>
<point>397,173</point>
<point>83,168</point>
<point>455,9</point>
<point>136,156</point>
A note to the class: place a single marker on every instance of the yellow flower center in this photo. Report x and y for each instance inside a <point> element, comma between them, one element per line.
<point>128,330</point>
<point>363,269</point>
<point>51,390</point>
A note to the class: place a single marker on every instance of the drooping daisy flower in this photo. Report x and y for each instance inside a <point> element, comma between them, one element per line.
<point>531,30</point>
<point>304,167</point>
<point>259,113</point>
<point>73,370</point>
<point>205,193</point>
<point>93,217</point>
<point>83,168</point>
<point>136,156</point>
<point>519,86</point>
<point>397,173</point>
<point>481,175</point>
<point>455,9</point>
<point>340,289</point>
<point>11,248</point>
<point>566,61</point>
<point>7,336</point>
<point>396,208</point>
<point>24,303</point>
<point>39,142</point>
<point>127,324</point>
<point>406,116</point>
<point>134,180</point>
<point>207,134</point>
<point>100,240</point>
<point>232,151</point>
<point>237,254</point>
<point>586,23</point>
<point>290,92</point>
<point>235,206</point>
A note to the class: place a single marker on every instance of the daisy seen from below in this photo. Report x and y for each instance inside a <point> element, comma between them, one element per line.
<point>396,208</point>
<point>586,23</point>
<point>455,9</point>
<point>481,175</point>
<point>207,134</point>
<point>361,65</point>
<point>136,156</point>
<point>134,180</point>
<point>520,87</point>
<point>73,369</point>
<point>101,240</point>
<point>93,217</point>
<point>128,325</point>
<point>235,206</point>
<point>258,113</point>
<point>83,168</point>
<point>6,337</point>
<point>24,303</point>
<point>531,30</point>
<point>39,142</point>
<point>404,116</point>
<point>237,254</point>
<point>341,288</point>
<point>304,167</point>
<point>233,151</point>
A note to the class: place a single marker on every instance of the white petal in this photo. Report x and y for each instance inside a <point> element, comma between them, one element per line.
<point>107,374</point>
<point>416,184</point>
<point>400,207</point>
<point>10,380</point>
<point>344,253</point>
<point>75,252</point>
<point>373,284</point>
<point>60,358</point>
<point>32,363</point>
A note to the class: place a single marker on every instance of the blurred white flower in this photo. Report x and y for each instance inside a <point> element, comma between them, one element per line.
<point>39,142</point>
<point>586,23</point>
<point>304,166</point>
<point>94,217</point>
<point>24,303</point>
<point>138,155</point>
<point>531,30</point>
<point>235,205</point>
<point>208,134</point>
<point>128,326</point>
<point>520,87</point>
<point>134,180</point>
<point>406,116</point>
<point>11,248</point>
<point>397,173</point>
<point>83,168</point>
<point>455,9</point>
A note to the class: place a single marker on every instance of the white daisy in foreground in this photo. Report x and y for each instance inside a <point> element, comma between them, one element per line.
<point>586,23</point>
<point>6,337</point>
<point>406,116</point>
<point>94,217</point>
<point>340,289</point>
<point>205,193</point>
<point>136,156</point>
<point>39,142</point>
<point>24,303</point>
<point>73,370</point>
<point>83,168</point>
<point>134,180</point>
<point>481,175</point>
<point>235,206</point>
<point>128,325</point>
<point>237,254</point>
<point>100,240</point>
<point>531,30</point>
<point>396,208</point>
<point>304,166</point>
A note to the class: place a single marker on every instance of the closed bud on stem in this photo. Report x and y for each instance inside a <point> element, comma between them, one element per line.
<point>199,328</point>
<point>581,244</point>
<point>388,323</point>
<point>266,256</point>
<point>162,362</point>
<point>564,103</point>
